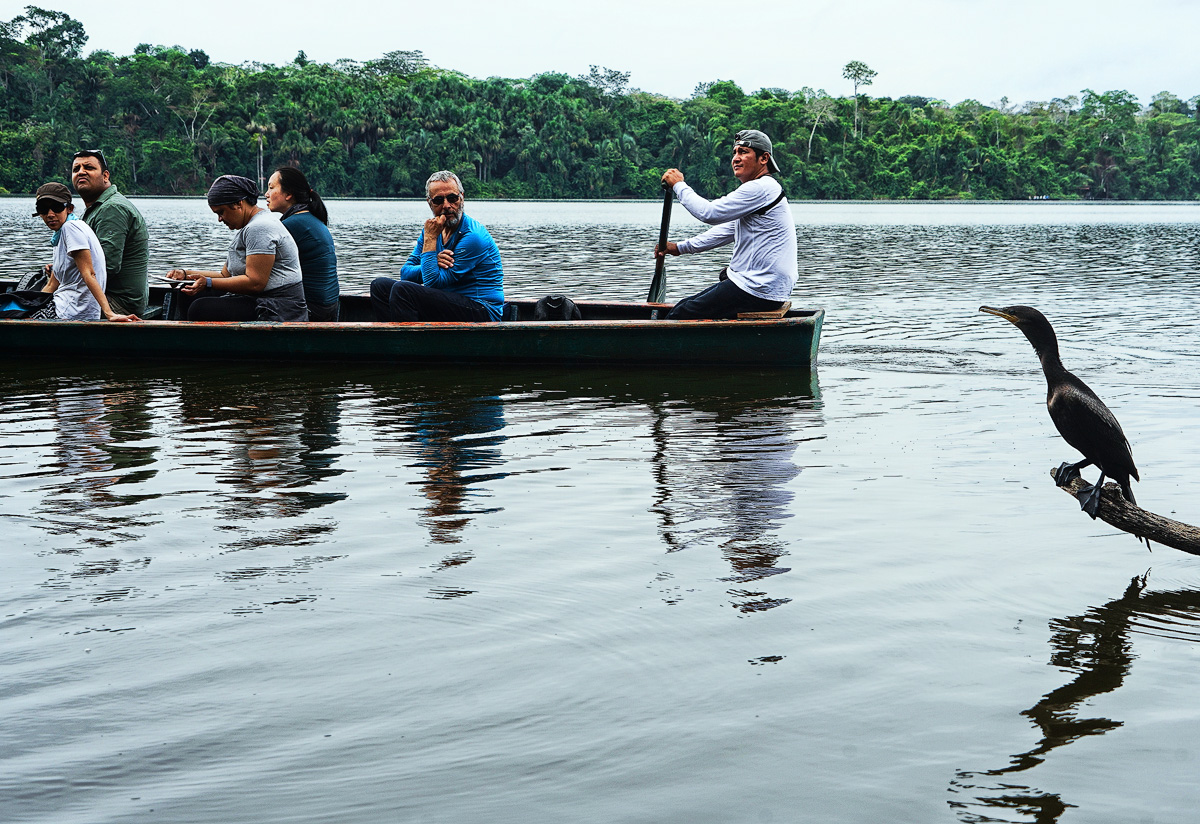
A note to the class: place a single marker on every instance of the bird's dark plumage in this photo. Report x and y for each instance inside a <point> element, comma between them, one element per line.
<point>1078,413</point>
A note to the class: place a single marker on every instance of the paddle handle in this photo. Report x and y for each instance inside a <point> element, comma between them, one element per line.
<point>658,286</point>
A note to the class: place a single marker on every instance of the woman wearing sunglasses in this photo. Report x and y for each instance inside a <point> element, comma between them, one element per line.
<point>261,277</point>
<point>453,273</point>
<point>78,274</point>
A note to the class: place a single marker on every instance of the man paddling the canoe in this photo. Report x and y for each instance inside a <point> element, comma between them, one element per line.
<point>757,220</point>
<point>453,273</point>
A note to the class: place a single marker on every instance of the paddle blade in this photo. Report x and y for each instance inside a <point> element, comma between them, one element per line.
<point>658,286</point>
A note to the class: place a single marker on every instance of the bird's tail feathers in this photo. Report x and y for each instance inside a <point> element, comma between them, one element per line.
<point>1127,491</point>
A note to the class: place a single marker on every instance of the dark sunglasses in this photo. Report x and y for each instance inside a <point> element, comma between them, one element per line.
<point>45,207</point>
<point>96,153</point>
<point>440,199</point>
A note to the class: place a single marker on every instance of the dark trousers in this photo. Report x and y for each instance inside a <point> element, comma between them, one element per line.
<point>403,301</point>
<point>283,303</point>
<point>323,312</point>
<point>724,299</point>
<point>225,307</point>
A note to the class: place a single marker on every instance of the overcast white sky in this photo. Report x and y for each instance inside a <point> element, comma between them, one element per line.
<point>949,49</point>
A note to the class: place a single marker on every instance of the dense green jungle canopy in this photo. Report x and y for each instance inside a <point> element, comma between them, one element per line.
<point>169,120</point>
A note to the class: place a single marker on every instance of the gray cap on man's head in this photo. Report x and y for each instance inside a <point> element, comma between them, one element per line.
<point>758,141</point>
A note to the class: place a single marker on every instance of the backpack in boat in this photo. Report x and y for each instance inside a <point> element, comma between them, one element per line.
<point>32,281</point>
<point>556,307</point>
<point>26,304</point>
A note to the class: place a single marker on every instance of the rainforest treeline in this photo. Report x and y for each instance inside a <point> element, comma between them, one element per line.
<point>169,120</point>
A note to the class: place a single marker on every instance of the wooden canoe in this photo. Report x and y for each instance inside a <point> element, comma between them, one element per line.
<point>610,332</point>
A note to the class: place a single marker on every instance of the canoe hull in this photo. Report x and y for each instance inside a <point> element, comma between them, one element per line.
<point>611,332</point>
<point>790,341</point>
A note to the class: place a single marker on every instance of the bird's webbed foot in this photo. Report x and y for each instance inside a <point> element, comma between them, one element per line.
<point>1089,499</point>
<point>1066,473</point>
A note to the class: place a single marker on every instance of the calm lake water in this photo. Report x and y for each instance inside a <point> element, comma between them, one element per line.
<point>256,593</point>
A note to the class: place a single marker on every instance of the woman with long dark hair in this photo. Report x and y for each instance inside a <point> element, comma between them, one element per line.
<point>305,217</point>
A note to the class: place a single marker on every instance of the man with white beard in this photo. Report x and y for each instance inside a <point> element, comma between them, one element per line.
<point>454,272</point>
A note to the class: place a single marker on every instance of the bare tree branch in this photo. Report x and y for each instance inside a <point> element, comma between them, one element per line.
<point>1116,511</point>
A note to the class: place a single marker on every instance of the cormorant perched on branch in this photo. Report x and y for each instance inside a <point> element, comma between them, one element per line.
<point>1079,415</point>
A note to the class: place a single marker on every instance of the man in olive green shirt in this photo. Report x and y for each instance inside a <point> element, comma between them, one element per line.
<point>121,230</point>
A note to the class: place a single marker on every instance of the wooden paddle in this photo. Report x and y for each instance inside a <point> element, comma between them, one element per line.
<point>658,286</point>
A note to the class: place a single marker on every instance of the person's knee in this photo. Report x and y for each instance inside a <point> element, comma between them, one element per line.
<point>382,287</point>
<point>403,301</point>
<point>680,311</point>
<point>205,309</point>
<point>406,295</point>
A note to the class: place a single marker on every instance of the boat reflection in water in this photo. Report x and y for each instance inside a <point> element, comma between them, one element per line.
<point>724,454</point>
<point>102,439</point>
<point>100,443</point>
<point>262,439</point>
<point>450,432</point>
<point>248,459</point>
<point>722,457</point>
<point>266,438</point>
<point>724,447</point>
<point>1098,647</point>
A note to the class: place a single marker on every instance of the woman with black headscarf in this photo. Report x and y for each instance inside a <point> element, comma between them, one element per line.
<point>261,279</point>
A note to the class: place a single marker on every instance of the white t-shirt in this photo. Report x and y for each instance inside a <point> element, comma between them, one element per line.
<point>72,299</point>
<point>764,246</point>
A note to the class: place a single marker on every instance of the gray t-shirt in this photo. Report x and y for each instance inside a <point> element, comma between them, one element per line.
<point>266,235</point>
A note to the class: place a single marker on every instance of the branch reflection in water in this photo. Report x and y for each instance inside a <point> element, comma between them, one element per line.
<point>1098,647</point>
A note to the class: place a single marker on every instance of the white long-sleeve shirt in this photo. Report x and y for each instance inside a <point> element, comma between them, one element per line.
<point>764,246</point>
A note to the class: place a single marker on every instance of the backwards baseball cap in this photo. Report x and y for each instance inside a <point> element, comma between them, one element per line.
<point>53,191</point>
<point>754,139</point>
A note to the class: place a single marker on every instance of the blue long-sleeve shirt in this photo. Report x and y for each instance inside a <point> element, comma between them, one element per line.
<point>318,257</point>
<point>477,273</point>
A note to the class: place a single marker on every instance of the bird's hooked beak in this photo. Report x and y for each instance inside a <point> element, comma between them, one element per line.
<point>999,313</point>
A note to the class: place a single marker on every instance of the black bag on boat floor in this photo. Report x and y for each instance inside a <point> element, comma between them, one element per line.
<point>556,307</point>
<point>27,304</point>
